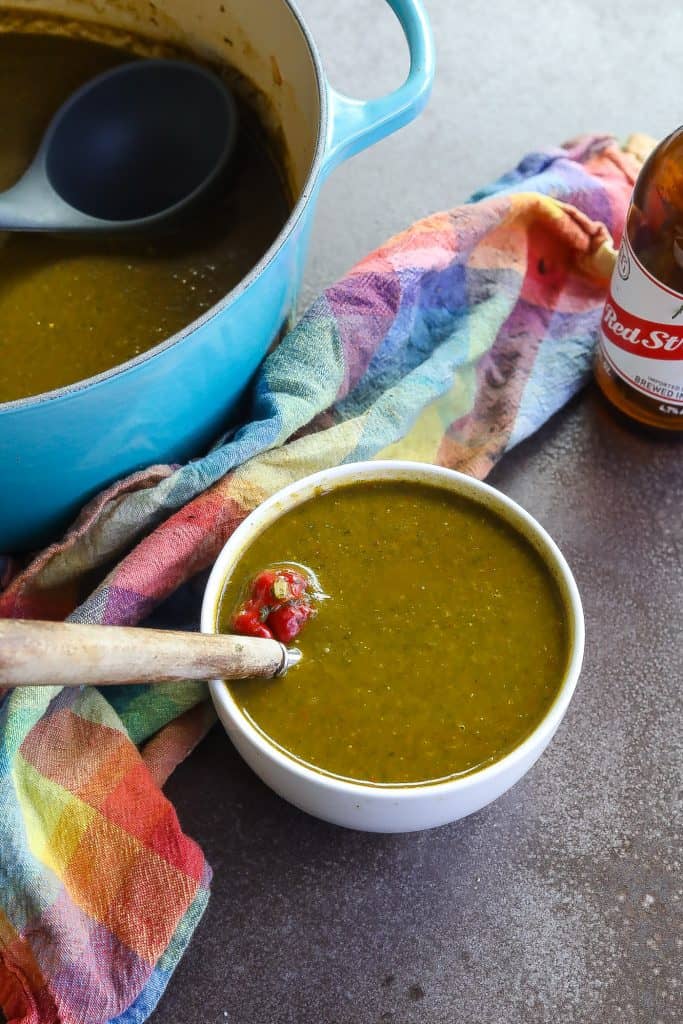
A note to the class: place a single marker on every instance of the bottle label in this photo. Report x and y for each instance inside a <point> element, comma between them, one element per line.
<point>641,333</point>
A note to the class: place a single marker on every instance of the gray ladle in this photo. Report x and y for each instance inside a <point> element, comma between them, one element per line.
<point>128,150</point>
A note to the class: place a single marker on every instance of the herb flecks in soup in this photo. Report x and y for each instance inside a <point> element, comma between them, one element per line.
<point>72,307</point>
<point>442,645</point>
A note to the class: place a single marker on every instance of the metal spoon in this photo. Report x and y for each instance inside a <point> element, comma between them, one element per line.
<point>70,654</point>
<point>128,150</point>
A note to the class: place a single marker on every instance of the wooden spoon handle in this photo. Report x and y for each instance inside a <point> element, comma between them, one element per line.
<point>69,654</point>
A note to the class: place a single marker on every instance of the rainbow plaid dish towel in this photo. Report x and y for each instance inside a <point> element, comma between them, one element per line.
<point>450,343</point>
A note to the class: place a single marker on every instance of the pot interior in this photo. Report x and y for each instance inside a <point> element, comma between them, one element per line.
<point>260,39</point>
<point>77,310</point>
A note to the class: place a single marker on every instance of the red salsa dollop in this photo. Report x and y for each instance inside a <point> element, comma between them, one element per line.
<point>278,605</point>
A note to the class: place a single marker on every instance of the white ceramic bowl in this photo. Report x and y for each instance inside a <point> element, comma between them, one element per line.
<point>391,808</point>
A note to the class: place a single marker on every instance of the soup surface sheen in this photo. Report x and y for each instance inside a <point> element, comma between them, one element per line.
<point>442,645</point>
<point>72,307</point>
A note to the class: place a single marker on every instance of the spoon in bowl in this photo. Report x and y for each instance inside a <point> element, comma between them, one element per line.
<point>70,654</point>
<point>129,150</point>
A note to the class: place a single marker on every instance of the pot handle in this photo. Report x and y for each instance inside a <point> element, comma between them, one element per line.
<point>355,124</point>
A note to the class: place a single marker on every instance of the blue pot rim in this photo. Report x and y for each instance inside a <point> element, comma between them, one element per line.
<point>268,257</point>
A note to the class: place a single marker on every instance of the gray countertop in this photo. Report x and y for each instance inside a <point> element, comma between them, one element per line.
<point>561,901</point>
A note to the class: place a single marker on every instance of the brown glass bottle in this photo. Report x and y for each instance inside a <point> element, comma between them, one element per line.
<point>639,360</point>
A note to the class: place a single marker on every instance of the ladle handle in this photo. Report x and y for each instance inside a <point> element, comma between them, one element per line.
<point>18,213</point>
<point>33,205</point>
<point>70,654</point>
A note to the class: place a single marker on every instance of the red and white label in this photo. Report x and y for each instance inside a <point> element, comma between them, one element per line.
<point>641,333</point>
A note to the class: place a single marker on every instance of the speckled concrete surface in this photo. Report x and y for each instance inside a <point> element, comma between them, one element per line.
<point>560,902</point>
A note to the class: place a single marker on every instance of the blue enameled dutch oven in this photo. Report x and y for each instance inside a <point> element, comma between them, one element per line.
<point>171,403</point>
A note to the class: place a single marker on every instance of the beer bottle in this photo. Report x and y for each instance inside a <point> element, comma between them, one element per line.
<point>639,359</point>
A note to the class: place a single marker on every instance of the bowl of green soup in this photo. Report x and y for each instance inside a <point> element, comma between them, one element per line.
<point>446,647</point>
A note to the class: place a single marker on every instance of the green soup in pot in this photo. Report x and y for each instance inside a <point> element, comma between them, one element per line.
<point>74,306</point>
<point>442,645</point>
